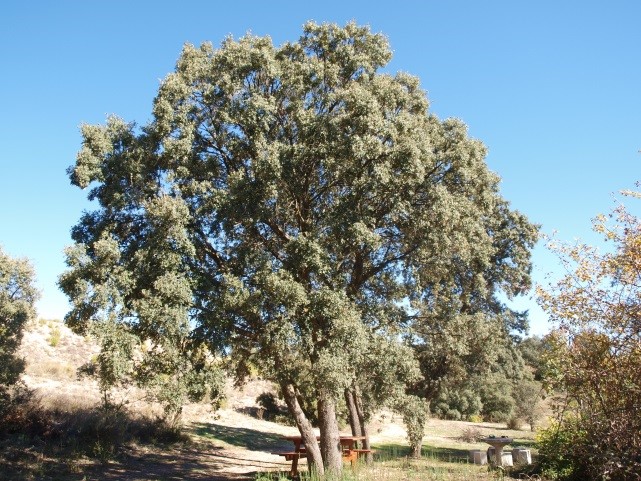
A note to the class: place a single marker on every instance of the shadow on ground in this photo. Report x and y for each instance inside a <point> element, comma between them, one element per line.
<point>251,439</point>
<point>394,451</point>
<point>210,456</point>
<point>187,463</point>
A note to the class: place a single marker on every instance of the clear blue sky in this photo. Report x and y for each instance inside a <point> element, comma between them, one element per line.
<point>553,88</point>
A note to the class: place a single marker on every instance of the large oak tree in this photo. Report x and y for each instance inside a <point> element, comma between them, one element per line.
<point>294,206</point>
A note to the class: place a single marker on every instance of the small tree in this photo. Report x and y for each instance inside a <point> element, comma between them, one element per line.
<point>415,411</point>
<point>528,401</point>
<point>17,298</point>
<point>595,354</point>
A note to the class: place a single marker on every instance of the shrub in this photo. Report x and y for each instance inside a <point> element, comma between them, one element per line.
<point>496,394</point>
<point>475,418</point>
<point>594,354</point>
<point>559,454</point>
<point>528,399</point>
<point>457,404</point>
<point>268,402</point>
<point>83,430</point>
<point>470,434</point>
<point>514,423</point>
<point>270,405</point>
<point>54,336</point>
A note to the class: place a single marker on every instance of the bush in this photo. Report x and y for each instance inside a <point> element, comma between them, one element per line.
<point>594,354</point>
<point>559,453</point>
<point>578,448</point>
<point>496,395</point>
<point>475,418</point>
<point>457,404</point>
<point>21,413</point>
<point>270,405</point>
<point>74,430</point>
<point>54,336</point>
<point>528,399</point>
<point>470,435</point>
<point>514,423</point>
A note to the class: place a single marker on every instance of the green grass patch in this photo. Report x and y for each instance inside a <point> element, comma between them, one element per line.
<point>391,451</point>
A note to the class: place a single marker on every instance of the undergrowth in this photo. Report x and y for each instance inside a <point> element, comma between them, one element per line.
<point>36,440</point>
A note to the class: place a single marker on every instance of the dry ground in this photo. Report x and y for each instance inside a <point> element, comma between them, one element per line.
<point>229,444</point>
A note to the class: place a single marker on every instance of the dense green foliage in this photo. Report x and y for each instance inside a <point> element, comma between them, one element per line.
<point>464,335</point>
<point>502,385</point>
<point>594,356</point>
<point>136,304</point>
<point>17,298</point>
<point>301,210</point>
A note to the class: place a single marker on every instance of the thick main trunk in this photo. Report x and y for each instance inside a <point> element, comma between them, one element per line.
<point>314,456</point>
<point>358,403</point>
<point>330,443</point>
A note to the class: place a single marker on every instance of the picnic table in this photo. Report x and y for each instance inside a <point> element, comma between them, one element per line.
<point>349,446</point>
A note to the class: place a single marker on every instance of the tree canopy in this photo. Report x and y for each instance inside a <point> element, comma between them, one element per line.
<point>297,207</point>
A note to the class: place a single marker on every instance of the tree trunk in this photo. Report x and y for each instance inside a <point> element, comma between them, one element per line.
<point>352,414</point>
<point>358,402</point>
<point>330,444</point>
<point>314,457</point>
<point>416,450</point>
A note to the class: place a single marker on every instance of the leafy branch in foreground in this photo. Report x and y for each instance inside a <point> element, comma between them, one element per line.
<point>595,354</point>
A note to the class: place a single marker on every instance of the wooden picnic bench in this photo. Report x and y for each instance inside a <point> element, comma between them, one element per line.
<point>348,445</point>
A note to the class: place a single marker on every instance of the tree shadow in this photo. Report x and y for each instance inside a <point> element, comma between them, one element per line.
<point>251,439</point>
<point>184,463</point>
<point>203,459</point>
<point>396,451</point>
<point>526,443</point>
<point>187,463</point>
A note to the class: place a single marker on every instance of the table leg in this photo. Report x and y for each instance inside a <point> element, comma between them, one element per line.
<point>294,470</point>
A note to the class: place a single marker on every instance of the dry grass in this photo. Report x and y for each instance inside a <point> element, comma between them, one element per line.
<point>52,369</point>
<point>58,438</point>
